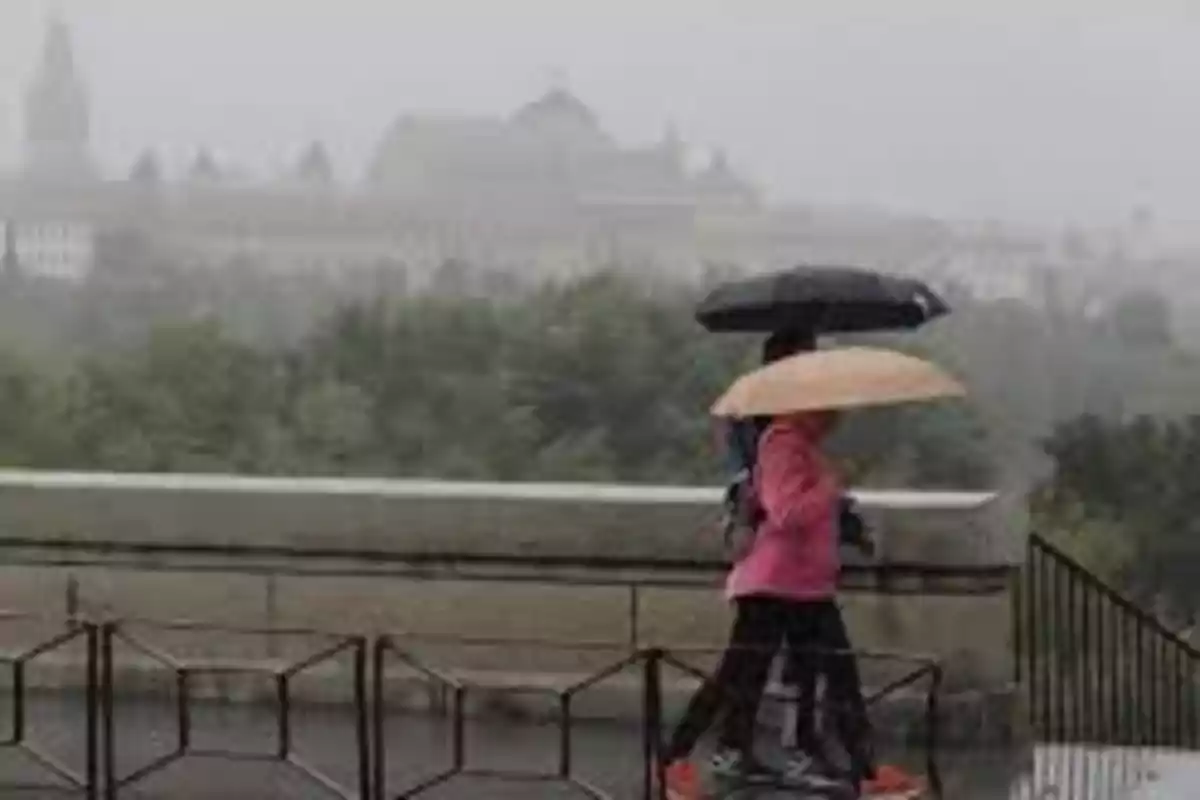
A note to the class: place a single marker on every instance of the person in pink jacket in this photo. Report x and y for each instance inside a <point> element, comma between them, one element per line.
<point>784,588</point>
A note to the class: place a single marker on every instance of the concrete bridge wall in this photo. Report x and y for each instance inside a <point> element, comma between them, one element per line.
<point>612,565</point>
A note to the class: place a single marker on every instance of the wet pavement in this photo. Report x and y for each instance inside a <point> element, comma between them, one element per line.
<point>607,756</point>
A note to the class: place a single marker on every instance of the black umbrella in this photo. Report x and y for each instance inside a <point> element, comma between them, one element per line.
<point>822,300</point>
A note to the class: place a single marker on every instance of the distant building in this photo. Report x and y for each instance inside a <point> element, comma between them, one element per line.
<point>546,191</point>
<point>57,116</point>
<point>543,192</point>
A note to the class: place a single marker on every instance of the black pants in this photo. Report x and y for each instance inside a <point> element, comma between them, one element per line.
<point>801,669</point>
<point>760,628</point>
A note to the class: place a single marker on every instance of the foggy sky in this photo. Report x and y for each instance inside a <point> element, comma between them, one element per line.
<point>1040,111</point>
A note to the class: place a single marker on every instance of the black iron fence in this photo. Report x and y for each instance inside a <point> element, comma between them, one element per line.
<point>1096,668</point>
<point>648,680</point>
<point>57,776</point>
<point>184,674</point>
<point>361,689</point>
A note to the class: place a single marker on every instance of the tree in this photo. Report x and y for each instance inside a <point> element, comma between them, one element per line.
<point>1131,481</point>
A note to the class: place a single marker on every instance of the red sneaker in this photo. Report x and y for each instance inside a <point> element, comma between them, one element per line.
<point>893,783</point>
<point>683,782</point>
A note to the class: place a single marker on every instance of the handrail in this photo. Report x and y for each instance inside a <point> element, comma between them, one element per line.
<point>1097,668</point>
<point>1096,584</point>
<point>456,490</point>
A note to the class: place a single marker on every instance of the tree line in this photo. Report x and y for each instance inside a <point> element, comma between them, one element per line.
<point>604,378</point>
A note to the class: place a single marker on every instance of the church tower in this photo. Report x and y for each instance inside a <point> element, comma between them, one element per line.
<point>56,114</point>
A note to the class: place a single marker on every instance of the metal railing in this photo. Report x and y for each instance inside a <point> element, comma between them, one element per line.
<point>1096,668</point>
<point>20,738</point>
<point>650,665</point>
<point>185,671</point>
<point>365,682</point>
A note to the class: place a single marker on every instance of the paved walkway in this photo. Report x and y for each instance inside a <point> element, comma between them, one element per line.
<point>607,755</point>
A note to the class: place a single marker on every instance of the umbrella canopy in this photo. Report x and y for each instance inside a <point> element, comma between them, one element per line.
<point>820,299</point>
<point>851,377</point>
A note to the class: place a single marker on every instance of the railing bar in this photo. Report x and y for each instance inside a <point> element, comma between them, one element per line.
<point>1190,702</point>
<point>157,765</point>
<point>1155,690</point>
<point>432,782</point>
<point>1164,695</point>
<point>227,754</point>
<point>283,697</point>
<point>1018,627</point>
<point>1030,581</point>
<point>161,656</point>
<point>459,731</point>
<point>587,789</point>
<point>316,776</point>
<point>653,777</point>
<point>1075,655</point>
<point>55,767</point>
<point>1120,665</point>
<point>898,684</point>
<point>564,735</point>
<point>1103,695</point>
<point>511,776</point>
<point>93,700</point>
<point>602,674</point>
<point>1132,670</point>
<point>183,708</point>
<point>18,702</point>
<point>1050,660</point>
<point>325,654</point>
<point>412,662</point>
<point>1139,653</point>
<point>107,717</point>
<point>378,714</point>
<point>1176,703</point>
<point>51,644</point>
<point>1100,587</point>
<point>1084,672</point>
<point>362,734</point>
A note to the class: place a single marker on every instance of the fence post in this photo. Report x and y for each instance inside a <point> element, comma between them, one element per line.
<point>92,773</point>
<point>361,731</point>
<point>379,751</point>
<point>106,710</point>
<point>652,768</point>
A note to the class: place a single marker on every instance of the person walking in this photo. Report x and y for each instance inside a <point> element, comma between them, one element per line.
<point>744,514</point>
<point>782,590</point>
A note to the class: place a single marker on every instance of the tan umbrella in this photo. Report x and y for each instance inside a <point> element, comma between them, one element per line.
<point>852,377</point>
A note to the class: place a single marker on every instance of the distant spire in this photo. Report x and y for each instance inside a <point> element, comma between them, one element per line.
<point>315,167</point>
<point>57,116</point>
<point>204,168</point>
<point>146,170</point>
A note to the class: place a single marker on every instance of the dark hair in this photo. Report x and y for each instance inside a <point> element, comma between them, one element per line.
<point>782,344</point>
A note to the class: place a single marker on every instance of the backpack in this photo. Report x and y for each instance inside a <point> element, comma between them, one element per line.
<point>742,511</point>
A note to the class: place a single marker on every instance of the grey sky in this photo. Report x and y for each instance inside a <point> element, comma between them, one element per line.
<point>1012,108</point>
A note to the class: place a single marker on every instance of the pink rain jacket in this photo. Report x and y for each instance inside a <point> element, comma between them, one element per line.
<point>795,551</point>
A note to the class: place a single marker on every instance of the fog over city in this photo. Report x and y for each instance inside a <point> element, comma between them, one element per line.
<point>518,321</point>
<point>1062,112</point>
